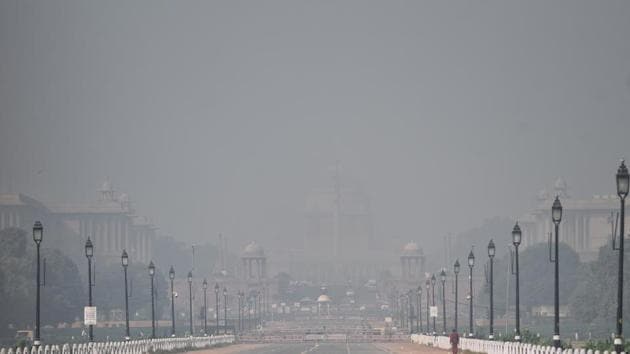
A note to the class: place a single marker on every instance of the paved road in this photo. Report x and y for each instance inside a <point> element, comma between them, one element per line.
<point>326,348</point>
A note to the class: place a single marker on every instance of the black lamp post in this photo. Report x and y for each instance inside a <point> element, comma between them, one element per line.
<point>250,300</point>
<point>443,279</point>
<point>427,284</point>
<point>205,307</point>
<point>259,307</point>
<point>152,275</point>
<point>411,310</point>
<point>433,299</point>
<point>190,315</point>
<point>124,259</point>
<point>456,272</point>
<point>38,234</point>
<point>556,216</point>
<point>216,301</point>
<point>240,311</point>
<point>419,307</point>
<point>171,275</point>
<point>491,252</point>
<point>89,253</point>
<point>471,264</point>
<point>623,181</point>
<point>224,310</point>
<point>516,240</point>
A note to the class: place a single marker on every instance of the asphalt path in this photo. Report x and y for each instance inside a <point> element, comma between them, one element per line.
<point>324,348</point>
<point>312,348</point>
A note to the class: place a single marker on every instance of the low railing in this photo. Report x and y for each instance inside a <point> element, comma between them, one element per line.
<point>142,346</point>
<point>497,347</point>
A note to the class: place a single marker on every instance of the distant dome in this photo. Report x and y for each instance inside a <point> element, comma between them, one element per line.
<point>253,250</point>
<point>323,299</point>
<point>411,248</point>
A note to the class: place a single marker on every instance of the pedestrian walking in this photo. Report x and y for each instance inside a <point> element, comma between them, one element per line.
<point>454,339</point>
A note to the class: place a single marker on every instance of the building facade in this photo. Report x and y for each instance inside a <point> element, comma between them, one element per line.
<point>587,224</point>
<point>109,222</point>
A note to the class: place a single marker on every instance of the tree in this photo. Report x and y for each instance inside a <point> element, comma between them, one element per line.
<point>109,290</point>
<point>536,275</point>
<point>594,302</point>
<point>168,251</point>
<point>61,298</point>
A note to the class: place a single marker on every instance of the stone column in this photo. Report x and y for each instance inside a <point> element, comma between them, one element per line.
<point>403,268</point>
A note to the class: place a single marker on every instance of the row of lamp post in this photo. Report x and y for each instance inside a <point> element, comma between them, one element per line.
<point>622,179</point>
<point>516,241</point>
<point>38,231</point>
<point>622,182</point>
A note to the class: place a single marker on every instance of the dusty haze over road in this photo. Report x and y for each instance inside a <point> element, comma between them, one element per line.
<point>221,116</point>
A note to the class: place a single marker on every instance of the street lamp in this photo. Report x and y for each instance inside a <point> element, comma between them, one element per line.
<point>205,307</point>
<point>250,299</point>
<point>471,264</point>
<point>224,310</point>
<point>516,240</point>
<point>623,181</point>
<point>89,253</point>
<point>171,276</point>
<point>419,307</point>
<point>491,253</point>
<point>456,271</point>
<point>443,279</point>
<point>433,298</point>
<point>411,310</point>
<point>427,283</point>
<point>216,301</point>
<point>190,315</point>
<point>124,260</point>
<point>556,217</point>
<point>38,234</point>
<point>152,275</point>
<point>240,311</point>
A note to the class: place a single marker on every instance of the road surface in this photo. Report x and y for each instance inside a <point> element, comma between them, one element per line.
<point>324,348</point>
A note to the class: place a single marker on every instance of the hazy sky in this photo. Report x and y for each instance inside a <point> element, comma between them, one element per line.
<point>220,116</point>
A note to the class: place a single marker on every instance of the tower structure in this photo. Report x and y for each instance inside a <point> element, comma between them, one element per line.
<point>412,262</point>
<point>254,263</point>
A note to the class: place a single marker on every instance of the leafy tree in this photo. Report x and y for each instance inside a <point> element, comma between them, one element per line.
<point>594,302</point>
<point>536,275</point>
<point>61,298</point>
<point>168,251</point>
<point>109,290</point>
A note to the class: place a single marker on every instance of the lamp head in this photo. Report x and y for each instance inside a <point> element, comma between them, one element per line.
<point>190,277</point>
<point>556,211</point>
<point>124,259</point>
<point>432,279</point>
<point>89,248</point>
<point>491,249</point>
<point>224,291</point>
<point>516,235</point>
<point>151,268</point>
<point>205,284</point>
<point>443,275</point>
<point>471,259</point>
<point>623,180</point>
<point>216,288</point>
<point>456,267</point>
<point>38,232</point>
<point>419,289</point>
<point>171,273</point>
